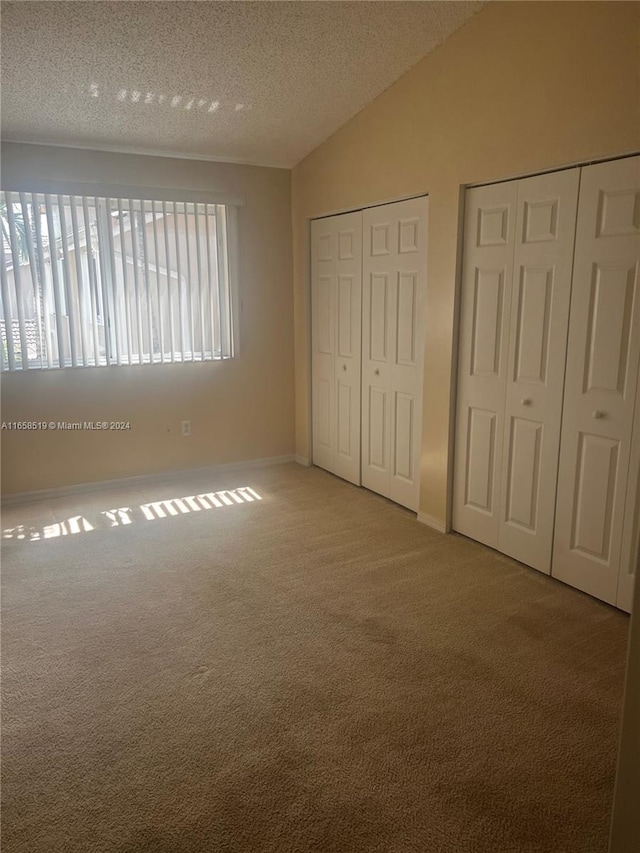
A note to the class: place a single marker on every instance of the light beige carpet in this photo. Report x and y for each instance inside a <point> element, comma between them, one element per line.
<point>313,671</point>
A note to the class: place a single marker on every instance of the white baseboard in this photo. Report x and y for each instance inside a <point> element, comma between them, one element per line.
<point>430,521</point>
<point>166,476</point>
<point>302,460</point>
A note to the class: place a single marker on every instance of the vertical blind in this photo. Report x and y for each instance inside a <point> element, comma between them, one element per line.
<point>90,281</point>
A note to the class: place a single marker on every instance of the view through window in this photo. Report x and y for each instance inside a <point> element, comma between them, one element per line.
<point>89,281</point>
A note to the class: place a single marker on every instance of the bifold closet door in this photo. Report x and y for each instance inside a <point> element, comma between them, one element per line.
<point>595,496</point>
<point>393,318</point>
<point>517,269</point>
<point>489,237</point>
<point>336,319</point>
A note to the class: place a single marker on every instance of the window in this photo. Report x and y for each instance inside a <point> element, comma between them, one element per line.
<point>89,281</point>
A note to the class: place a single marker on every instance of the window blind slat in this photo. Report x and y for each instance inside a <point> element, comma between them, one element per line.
<point>93,285</point>
<point>124,304</point>
<point>44,289</point>
<point>80,279</point>
<point>221,258</point>
<point>55,275</point>
<point>106,261</point>
<point>189,293</point>
<point>136,278</point>
<point>201,307</point>
<point>176,231</point>
<point>6,314</point>
<point>114,290</point>
<point>66,275</point>
<point>157,258</point>
<point>210,274</point>
<point>17,283</point>
<point>147,287</point>
<point>37,300</point>
<point>169,288</point>
<point>231,234</point>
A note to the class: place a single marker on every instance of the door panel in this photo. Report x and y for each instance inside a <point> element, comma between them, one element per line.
<point>601,386</point>
<point>378,419</point>
<point>490,220</point>
<point>346,288</point>
<point>597,475</point>
<point>378,316</point>
<point>336,307</point>
<point>541,289</point>
<point>611,298</point>
<point>480,461</point>
<point>523,473</point>
<point>394,284</point>
<point>533,326</point>
<point>487,322</point>
<point>404,449</point>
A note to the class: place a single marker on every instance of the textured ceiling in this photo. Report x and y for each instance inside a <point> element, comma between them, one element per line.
<point>256,82</point>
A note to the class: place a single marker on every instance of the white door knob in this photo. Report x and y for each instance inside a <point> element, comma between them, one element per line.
<point>598,414</point>
<point>525,402</point>
<point>377,372</point>
<point>344,366</point>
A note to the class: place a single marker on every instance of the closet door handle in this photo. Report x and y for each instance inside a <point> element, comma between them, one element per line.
<point>525,402</point>
<point>344,366</point>
<point>597,414</point>
<point>376,372</point>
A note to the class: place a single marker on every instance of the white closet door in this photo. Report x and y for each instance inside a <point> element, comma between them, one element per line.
<point>336,293</point>
<point>490,219</point>
<point>601,380</point>
<point>393,300</point>
<point>516,287</point>
<point>541,290</point>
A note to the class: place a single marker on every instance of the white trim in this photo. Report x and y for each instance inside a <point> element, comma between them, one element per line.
<point>302,460</point>
<point>106,189</point>
<point>578,164</point>
<point>99,485</point>
<point>151,152</point>
<point>367,206</point>
<point>431,521</point>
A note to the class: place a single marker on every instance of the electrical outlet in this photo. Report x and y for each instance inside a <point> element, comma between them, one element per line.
<point>186,427</point>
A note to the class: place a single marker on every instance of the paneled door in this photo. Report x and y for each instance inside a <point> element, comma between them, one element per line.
<point>485,311</point>
<point>393,317</point>
<point>541,291</point>
<point>516,287</point>
<point>601,383</point>
<point>336,314</point>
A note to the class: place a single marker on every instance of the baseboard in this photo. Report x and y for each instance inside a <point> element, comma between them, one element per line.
<point>165,476</point>
<point>430,521</point>
<point>303,460</point>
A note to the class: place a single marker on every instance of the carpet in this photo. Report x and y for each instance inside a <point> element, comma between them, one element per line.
<point>294,665</point>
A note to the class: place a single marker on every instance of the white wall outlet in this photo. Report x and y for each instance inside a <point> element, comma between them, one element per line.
<point>186,427</point>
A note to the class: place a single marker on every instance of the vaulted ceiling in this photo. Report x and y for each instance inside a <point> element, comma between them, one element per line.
<point>254,82</point>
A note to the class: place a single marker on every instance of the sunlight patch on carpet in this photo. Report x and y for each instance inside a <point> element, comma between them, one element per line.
<point>125,515</point>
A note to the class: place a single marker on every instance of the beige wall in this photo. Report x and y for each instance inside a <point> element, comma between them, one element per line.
<point>522,87</point>
<point>239,409</point>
